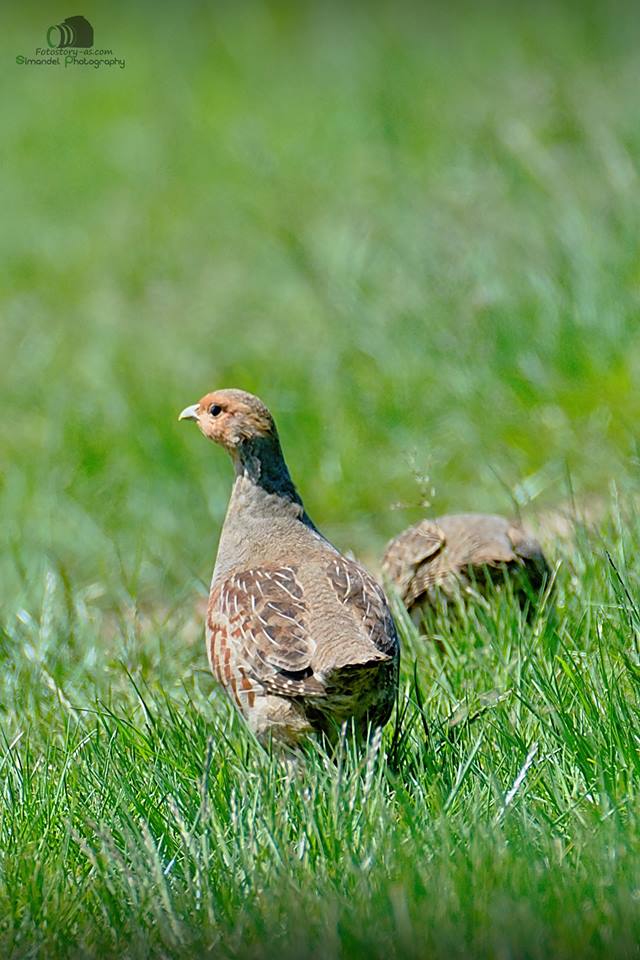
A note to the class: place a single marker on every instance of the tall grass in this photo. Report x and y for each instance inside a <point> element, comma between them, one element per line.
<point>499,812</point>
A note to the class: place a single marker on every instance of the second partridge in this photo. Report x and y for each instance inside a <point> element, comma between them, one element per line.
<point>458,552</point>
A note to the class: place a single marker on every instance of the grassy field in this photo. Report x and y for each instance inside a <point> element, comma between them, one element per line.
<point>415,233</point>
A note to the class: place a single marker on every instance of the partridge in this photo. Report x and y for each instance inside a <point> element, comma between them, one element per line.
<point>436,559</point>
<point>300,637</point>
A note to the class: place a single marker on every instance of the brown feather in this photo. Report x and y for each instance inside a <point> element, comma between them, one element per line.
<point>441,556</point>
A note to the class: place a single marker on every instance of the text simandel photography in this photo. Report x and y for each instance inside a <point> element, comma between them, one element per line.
<point>70,44</point>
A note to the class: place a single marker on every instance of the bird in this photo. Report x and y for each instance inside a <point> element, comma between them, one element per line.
<point>460,553</point>
<point>300,636</point>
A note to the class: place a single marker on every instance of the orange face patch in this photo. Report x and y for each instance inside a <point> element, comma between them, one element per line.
<point>229,417</point>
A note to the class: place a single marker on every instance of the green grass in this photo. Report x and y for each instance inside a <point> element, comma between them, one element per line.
<point>414,232</point>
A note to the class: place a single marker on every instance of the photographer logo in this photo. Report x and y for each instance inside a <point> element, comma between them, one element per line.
<point>70,44</point>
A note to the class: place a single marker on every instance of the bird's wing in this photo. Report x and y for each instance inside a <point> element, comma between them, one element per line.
<point>364,599</point>
<point>259,616</point>
<point>406,552</point>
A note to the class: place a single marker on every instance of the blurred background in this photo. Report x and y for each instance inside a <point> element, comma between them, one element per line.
<point>411,229</point>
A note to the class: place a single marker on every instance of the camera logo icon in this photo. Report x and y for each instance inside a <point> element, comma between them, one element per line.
<point>72,32</point>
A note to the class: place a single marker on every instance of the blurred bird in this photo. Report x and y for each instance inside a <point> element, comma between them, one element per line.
<point>300,637</point>
<point>460,554</point>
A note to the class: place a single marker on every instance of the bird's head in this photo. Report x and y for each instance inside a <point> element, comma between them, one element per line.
<point>231,418</point>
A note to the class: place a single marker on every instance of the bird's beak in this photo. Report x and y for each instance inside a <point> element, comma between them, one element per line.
<point>189,413</point>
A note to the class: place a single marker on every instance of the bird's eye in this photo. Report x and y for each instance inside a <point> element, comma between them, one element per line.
<point>215,409</point>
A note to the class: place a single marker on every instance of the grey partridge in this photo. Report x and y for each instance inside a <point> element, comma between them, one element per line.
<point>439,558</point>
<point>300,637</point>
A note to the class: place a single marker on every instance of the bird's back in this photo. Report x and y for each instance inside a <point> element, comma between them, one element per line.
<point>459,549</point>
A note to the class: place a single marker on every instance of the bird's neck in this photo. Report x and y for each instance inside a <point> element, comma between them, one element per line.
<point>260,461</point>
<point>265,511</point>
<point>263,478</point>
